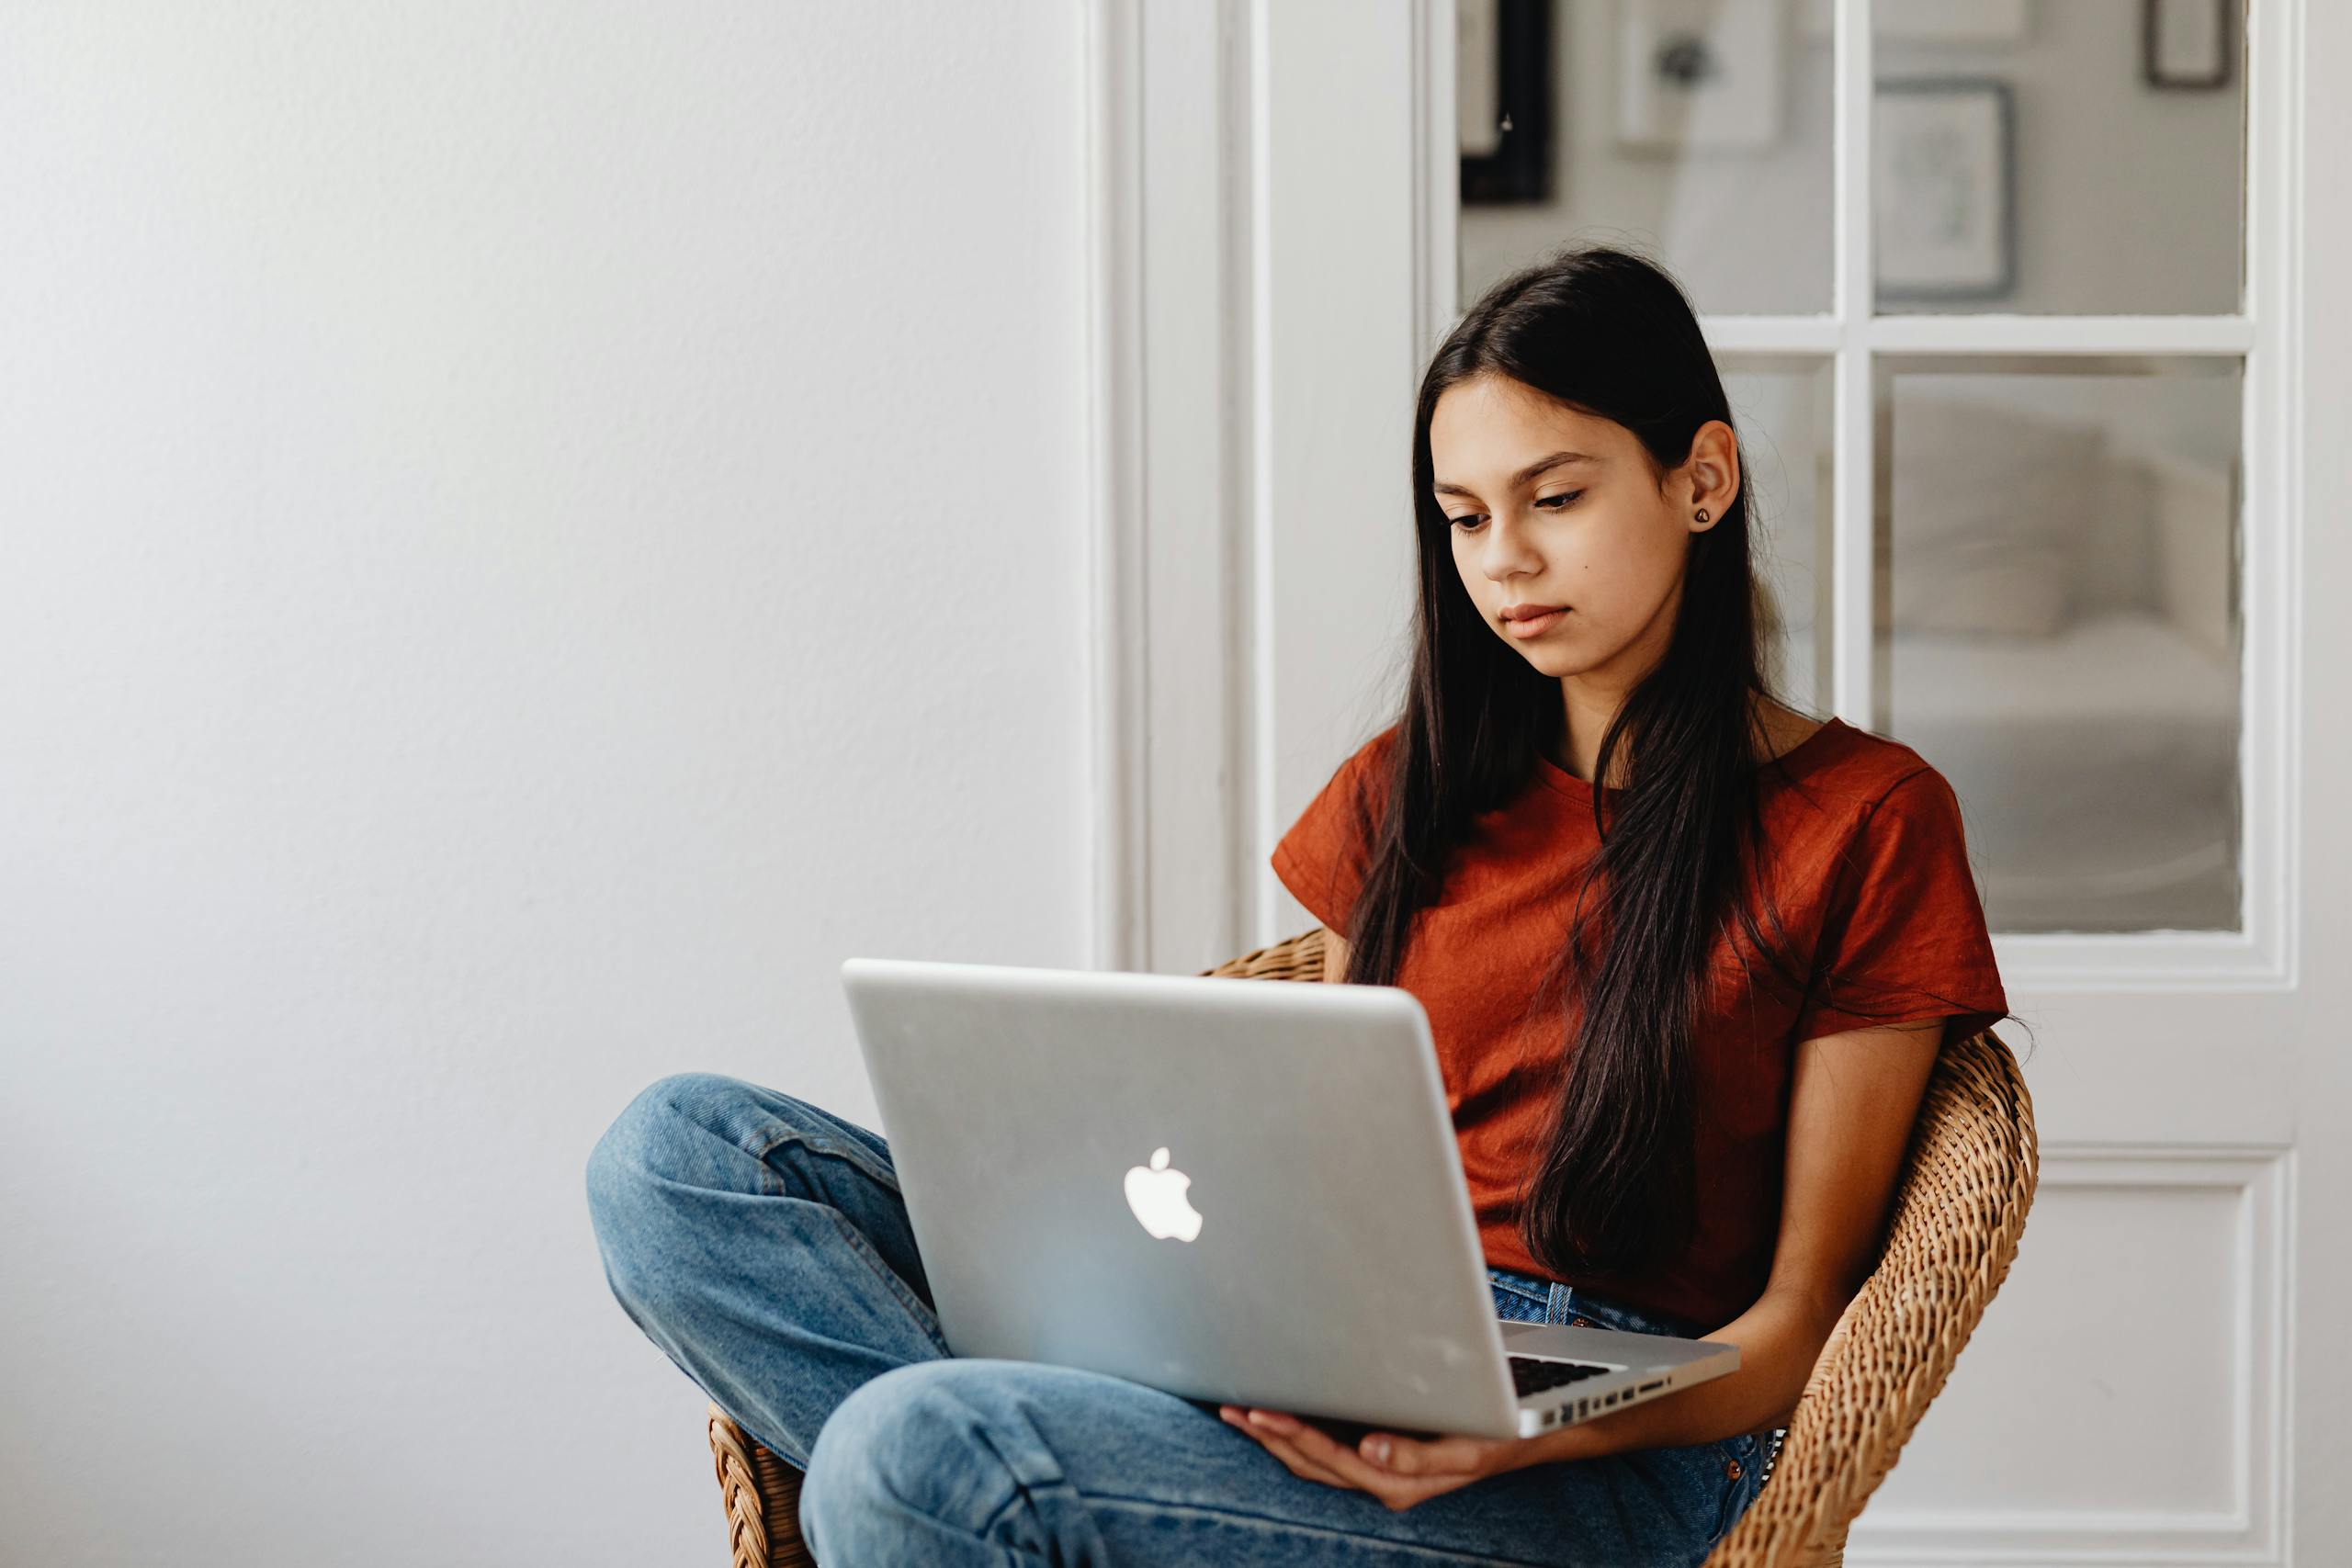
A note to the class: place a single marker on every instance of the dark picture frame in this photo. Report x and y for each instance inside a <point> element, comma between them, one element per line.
<point>2003,280</point>
<point>2153,17</point>
<point>1520,168</point>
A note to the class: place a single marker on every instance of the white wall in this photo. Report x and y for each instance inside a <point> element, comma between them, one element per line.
<point>458,467</point>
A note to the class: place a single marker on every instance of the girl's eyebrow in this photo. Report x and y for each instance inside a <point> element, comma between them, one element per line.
<point>1445,487</point>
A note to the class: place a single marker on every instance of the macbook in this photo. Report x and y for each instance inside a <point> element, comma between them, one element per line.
<point>1243,1191</point>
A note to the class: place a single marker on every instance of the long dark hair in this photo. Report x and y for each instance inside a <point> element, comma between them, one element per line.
<point>1608,335</point>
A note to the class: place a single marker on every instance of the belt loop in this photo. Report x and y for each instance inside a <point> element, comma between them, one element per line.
<point>1563,1305</point>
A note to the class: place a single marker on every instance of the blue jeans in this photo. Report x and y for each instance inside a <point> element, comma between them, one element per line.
<point>763,1244</point>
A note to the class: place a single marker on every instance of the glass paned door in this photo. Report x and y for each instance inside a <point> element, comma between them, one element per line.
<point>2015,542</point>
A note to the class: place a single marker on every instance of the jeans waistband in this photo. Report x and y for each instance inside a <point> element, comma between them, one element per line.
<point>1566,1302</point>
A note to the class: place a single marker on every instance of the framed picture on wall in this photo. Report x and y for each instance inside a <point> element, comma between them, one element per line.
<point>1698,73</point>
<point>1943,188</point>
<point>1503,99</point>
<point>2185,43</point>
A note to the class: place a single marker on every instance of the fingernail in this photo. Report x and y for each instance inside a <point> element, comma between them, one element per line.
<point>1380,1450</point>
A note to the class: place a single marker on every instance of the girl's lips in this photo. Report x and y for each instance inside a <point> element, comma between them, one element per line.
<point>1535,626</point>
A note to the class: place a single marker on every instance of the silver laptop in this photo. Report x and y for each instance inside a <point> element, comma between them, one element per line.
<point>1241,1191</point>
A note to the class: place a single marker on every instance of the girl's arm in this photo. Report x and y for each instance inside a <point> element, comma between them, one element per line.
<point>1335,954</point>
<point>1851,1111</point>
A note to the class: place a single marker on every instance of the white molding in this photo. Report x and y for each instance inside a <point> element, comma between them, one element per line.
<point>2270,688</point>
<point>1853,672</point>
<point>1263,826</point>
<point>1172,423</point>
<point>2146,961</point>
<point>1437,179</point>
<point>1248,795</point>
<point>1343,274</point>
<point>2278,147</point>
<point>1987,335</point>
<point>2251,1531</point>
<point>1117,631</point>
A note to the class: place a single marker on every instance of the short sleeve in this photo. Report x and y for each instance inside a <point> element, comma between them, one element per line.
<point>1905,938</point>
<point>1322,859</point>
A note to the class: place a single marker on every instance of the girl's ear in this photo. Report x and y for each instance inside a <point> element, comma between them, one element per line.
<point>1714,466</point>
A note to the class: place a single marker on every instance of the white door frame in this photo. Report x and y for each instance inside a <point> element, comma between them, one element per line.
<point>1239,231</point>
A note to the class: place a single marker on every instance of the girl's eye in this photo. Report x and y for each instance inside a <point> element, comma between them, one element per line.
<point>1469,523</point>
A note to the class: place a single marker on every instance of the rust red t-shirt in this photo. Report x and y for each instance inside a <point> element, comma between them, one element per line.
<point>1870,876</point>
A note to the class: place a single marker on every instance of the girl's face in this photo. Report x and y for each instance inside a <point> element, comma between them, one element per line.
<point>1554,508</point>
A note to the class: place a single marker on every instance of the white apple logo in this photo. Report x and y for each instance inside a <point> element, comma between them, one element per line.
<point>1157,1195</point>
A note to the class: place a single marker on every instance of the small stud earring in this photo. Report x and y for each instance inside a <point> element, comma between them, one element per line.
<point>1702,514</point>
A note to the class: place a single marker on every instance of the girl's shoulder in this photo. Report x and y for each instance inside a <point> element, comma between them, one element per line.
<point>1840,769</point>
<point>1843,771</point>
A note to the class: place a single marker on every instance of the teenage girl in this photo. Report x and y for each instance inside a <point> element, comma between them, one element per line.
<point>1686,954</point>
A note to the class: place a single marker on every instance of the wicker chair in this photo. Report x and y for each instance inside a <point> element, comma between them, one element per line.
<point>1968,1180</point>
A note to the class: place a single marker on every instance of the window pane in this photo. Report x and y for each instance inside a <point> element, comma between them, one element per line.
<point>1782,407</point>
<point>1697,131</point>
<point>2024,161</point>
<point>2058,631</point>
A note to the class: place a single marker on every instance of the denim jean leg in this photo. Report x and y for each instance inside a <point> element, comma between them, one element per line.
<point>977,1461</point>
<point>763,1245</point>
<point>938,1463</point>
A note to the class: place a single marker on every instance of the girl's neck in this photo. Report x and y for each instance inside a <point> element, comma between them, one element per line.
<point>1785,730</point>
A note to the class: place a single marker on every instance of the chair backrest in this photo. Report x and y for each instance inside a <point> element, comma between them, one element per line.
<point>1294,958</point>
<point>1968,1179</point>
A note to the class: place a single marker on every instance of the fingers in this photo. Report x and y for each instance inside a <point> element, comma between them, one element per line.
<point>1277,1444</point>
<point>1444,1456</point>
<point>1321,1448</point>
<point>1324,1456</point>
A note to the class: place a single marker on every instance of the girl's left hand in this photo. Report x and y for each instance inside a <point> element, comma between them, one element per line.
<point>1404,1473</point>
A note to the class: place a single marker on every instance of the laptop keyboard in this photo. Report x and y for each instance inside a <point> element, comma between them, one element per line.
<point>1534,1374</point>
